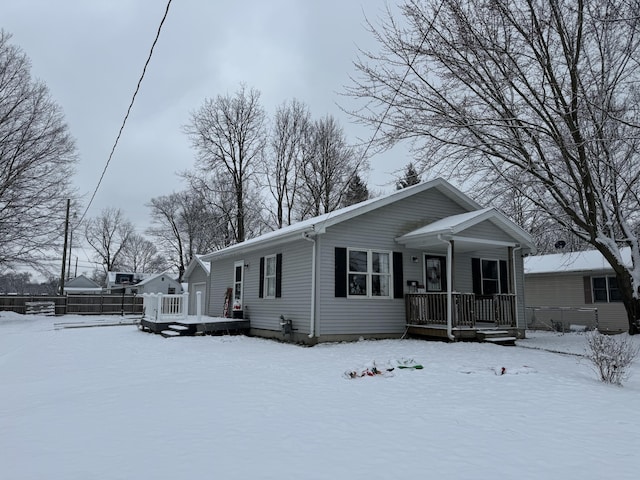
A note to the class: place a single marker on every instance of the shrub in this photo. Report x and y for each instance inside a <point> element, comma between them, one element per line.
<point>611,356</point>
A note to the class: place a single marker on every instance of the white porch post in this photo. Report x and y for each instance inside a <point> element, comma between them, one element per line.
<point>159,310</point>
<point>450,290</point>
<point>198,305</point>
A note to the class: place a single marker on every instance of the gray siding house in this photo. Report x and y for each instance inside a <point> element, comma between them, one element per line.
<point>574,288</point>
<point>425,259</point>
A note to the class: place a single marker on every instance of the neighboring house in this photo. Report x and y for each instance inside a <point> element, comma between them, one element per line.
<point>159,283</point>
<point>424,259</point>
<point>83,285</point>
<point>196,275</point>
<point>570,288</point>
<point>117,281</point>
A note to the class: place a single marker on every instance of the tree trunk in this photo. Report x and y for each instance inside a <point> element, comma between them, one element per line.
<point>631,303</point>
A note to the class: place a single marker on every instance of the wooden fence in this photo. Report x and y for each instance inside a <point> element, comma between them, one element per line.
<point>101,304</point>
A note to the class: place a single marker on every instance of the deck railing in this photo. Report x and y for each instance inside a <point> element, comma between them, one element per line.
<point>158,306</point>
<point>468,309</point>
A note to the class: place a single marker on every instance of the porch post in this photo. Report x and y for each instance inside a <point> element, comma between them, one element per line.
<point>450,290</point>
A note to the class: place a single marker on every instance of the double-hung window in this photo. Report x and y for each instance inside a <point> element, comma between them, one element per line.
<point>369,273</point>
<point>490,277</point>
<point>270,276</point>
<point>605,289</point>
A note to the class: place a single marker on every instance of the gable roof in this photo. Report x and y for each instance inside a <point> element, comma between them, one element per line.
<point>588,260</point>
<point>153,276</point>
<point>318,224</point>
<point>450,227</point>
<point>196,261</point>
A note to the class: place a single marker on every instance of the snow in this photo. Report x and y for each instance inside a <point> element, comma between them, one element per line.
<point>572,261</point>
<point>117,403</point>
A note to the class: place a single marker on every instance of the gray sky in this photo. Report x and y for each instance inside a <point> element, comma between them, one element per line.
<point>91,54</point>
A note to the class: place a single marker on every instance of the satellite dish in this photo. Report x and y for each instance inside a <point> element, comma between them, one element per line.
<point>560,244</point>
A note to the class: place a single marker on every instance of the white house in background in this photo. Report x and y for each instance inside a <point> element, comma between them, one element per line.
<point>571,288</point>
<point>116,281</point>
<point>82,285</point>
<point>197,277</point>
<point>159,283</point>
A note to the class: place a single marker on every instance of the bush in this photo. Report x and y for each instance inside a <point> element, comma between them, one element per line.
<point>611,356</point>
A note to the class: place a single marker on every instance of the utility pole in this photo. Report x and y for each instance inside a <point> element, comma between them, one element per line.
<point>64,250</point>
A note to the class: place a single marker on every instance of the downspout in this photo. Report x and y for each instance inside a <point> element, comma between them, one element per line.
<point>449,288</point>
<point>515,285</point>
<point>312,316</point>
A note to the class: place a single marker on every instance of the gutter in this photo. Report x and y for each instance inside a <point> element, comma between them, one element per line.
<point>312,313</point>
<point>449,287</point>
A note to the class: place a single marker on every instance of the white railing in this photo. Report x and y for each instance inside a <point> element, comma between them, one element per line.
<point>159,306</point>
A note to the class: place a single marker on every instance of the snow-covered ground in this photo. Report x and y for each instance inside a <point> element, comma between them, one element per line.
<point>116,403</point>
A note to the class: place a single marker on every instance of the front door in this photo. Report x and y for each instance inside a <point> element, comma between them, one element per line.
<point>435,272</point>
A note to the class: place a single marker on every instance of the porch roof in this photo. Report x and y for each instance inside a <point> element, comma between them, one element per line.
<point>434,235</point>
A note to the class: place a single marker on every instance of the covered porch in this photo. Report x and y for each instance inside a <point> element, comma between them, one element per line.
<point>469,271</point>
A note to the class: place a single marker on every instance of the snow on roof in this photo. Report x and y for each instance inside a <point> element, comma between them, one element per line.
<point>571,262</point>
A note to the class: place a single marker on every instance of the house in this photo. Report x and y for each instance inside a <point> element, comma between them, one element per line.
<point>196,276</point>
<point>574,288</point>
<point>159,283</point>
<point>82,285</point>
<point>426,259</point>
<point>117,281</point>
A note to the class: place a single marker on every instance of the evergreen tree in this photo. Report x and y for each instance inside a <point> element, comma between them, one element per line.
<point>410,177</point>
<point>357,191</point>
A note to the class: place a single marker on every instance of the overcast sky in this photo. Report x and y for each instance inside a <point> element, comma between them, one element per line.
<point>91,54</point>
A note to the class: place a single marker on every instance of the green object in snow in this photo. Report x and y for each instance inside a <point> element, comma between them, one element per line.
<point>415,367</point>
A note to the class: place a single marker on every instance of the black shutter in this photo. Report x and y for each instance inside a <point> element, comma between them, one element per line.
<point>504,277</point>
<point>340,272</point>
<point>476,276</point>
<point>261,287</point>
<point>278,275</point>
<point>588,298</point>
<point>398,276</point>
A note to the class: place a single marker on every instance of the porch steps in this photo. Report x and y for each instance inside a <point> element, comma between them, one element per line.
<point>499,337</point>
<point>176,330</point>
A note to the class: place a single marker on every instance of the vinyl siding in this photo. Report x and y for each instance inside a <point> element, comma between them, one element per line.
<point>375,230</point>
<point>264,313</point>
<point>567,290</point>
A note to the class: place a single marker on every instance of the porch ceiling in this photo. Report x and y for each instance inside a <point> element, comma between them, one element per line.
<point>435,235</point>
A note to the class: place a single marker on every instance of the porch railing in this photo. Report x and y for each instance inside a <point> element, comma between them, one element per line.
<point>468,309</point>
<point>159,307</point>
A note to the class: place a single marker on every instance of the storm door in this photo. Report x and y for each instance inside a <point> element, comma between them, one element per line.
<point>435,271</point>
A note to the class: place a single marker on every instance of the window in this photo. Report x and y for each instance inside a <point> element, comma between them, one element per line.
<point>369,273</point>
<point>270,276</point>
<point>605,290</point>
<point>490,277</point>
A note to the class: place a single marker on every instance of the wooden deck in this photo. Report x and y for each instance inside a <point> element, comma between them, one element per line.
<point>189,327</point>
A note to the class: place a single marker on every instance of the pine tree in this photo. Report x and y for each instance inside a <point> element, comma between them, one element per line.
<point>411,177</point>
<point>357,191</point>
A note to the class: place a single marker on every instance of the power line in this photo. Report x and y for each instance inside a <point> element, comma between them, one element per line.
<point>124,121</point>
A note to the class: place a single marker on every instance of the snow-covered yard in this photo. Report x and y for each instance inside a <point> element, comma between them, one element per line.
<point>116,403</point>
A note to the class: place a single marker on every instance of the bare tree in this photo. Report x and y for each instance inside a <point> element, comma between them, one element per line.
<point>140,255</point>
<point>288,143</point>
<point>108,235</point>
<point>37,156</point>
<point>540,95</point>
<point>184,226</point>
<point>228,134</point>
<point>328,166</point>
